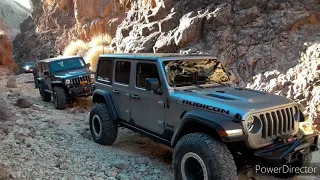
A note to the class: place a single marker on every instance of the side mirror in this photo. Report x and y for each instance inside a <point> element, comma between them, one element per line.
<point>152,84</point>
<point>46,73</point>
<point>88,64</point>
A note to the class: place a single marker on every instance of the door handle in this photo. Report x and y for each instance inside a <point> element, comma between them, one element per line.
<point>135,96</point>
<point>115,91</point>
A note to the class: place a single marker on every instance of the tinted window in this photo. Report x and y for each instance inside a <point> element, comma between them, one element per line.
<point>145,70</point>
<point>122,72</point>
<point>30,64</point>
<point>105,70</point>
<point>66,64</point>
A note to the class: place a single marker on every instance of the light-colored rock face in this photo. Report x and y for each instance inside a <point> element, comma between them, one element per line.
<point>12,14</point>
<point>300,83</point>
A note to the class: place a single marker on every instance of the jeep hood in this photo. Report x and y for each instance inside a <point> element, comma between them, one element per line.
<point>228,99</point>
<point>72,73</point>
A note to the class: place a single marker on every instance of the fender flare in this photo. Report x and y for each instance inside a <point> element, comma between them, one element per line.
<point>55,83</point>
<point>40,80</point>
<point>214,121</point>
<point>108,100</point>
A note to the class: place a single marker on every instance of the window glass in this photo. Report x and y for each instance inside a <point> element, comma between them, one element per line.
<point>105,70</point>
<point>145,70</point>
<point>46,67</point>
<point>30,64</point>
<point>122,72</point>
<point>42,67</point>
<point>194,72</point>
<point>65,64</point>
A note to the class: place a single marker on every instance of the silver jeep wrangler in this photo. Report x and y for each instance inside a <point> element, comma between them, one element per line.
<point>187,102</point>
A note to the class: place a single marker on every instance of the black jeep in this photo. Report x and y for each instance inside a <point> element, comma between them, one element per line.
<point>66,78</point>
<point>28,67</point>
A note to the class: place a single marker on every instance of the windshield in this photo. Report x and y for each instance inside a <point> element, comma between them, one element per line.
<point>30,64</point>
<point>194,72</point>
<point>74,63</point>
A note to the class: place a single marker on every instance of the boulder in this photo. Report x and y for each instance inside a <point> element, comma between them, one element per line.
<point>5,111</point>
<point>4,128</point>
<point>11,82</point>
<point>4,173</point>
<point>23,103</point>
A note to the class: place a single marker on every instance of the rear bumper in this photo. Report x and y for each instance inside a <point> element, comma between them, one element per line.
<point>287,153</point>
<point>81,91</point>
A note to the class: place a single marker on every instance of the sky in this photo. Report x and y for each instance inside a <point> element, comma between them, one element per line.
<point>25,3</point>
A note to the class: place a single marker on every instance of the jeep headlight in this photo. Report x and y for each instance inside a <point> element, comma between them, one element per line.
<point>67,81</point>
<point>253,124</point>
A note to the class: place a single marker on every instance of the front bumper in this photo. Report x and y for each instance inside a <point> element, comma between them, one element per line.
<point>81,91</point>
<point>28,70</point>
<point>287,153</point>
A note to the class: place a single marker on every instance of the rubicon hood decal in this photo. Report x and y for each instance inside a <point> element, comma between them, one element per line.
<point>206,107</point>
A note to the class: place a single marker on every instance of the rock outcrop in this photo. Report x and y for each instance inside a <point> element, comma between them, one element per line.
<point>251,38</point>
<point>6,53</point>
<point>54,24</point>
<point>12,14</point>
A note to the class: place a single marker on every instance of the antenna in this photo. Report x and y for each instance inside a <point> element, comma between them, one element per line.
<point>102,34</point>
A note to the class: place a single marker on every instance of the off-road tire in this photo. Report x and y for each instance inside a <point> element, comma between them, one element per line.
<point>216,157</point>
<point>46,97</point>
<point>108,128</point>
<point>60,99</point>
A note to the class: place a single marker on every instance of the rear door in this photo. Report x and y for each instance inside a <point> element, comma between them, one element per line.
<point>113,76</point>
<point>121,88</point>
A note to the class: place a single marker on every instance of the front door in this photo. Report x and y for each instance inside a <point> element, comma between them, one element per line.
<point>146,106</point>
<point>47,78</point>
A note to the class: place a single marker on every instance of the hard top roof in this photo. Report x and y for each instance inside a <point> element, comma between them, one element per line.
<point>153,56</point>
<point>29,62</point>
<point>58,58</point>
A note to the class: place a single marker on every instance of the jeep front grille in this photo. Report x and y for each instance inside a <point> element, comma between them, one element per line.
<point>78,80</point>
<point>278,122</point>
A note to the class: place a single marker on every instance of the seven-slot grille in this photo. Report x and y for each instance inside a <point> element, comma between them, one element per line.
<point>278,122</point>
<point>76,81</point>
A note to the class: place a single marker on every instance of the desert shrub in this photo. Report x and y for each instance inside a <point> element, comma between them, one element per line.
<point>93,55</point>
<point>76,48</point>
<point>100,40</point>
<point>122,2</point>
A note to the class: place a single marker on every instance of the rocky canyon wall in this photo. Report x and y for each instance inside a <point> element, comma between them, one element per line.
<point>6,48</point>
<point>251,37</point>
<point>11,15</point>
